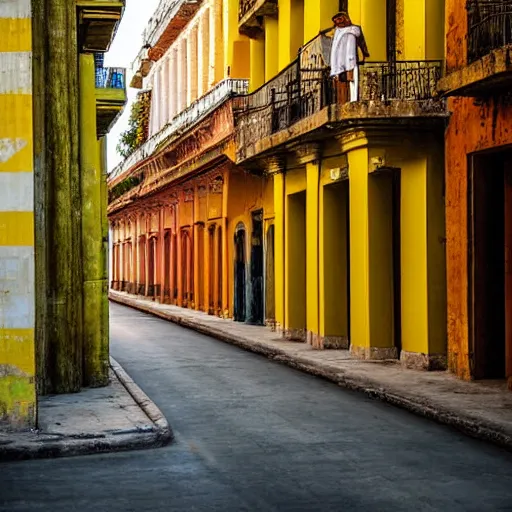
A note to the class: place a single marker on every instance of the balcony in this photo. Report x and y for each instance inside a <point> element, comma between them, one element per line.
<point>110,97</point>
<point>250,15</point>
<point>489,42</point>
<point>98,21</point>
<point>303,100</point>
<point>197,111</point>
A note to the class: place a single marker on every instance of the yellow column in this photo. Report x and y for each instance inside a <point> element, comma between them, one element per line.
<point>291,30</point>
<point>257,76</point>
<point>279,266</point>
<point>371,265</point>
<point>318,16</point>
<point>271,43</point>
<point>423,30</point>
<point>95,340</point>
<point>236,46</point>
<point>17,354</point>
<point>203,53</point>
<point>192,66</point>
<point>371,15</point>
<point>423,283</point>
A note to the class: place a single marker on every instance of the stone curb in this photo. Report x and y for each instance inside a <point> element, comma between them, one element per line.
<point>349,379</point>
<point>41,446</point>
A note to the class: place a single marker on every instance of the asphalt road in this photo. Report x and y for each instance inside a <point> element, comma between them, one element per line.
<point>254,435</point>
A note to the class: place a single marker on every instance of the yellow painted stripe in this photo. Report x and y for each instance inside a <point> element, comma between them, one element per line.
<point>16,35</point>
<point>17,228</point>
<point>16,131</point>
<point>17,349</point>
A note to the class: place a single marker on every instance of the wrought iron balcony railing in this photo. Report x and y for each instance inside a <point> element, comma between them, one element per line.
<point>305,88</point>
<point>244,7</point>
<point>200,108</point>
<point>110,78</point>
<point>489,26</point>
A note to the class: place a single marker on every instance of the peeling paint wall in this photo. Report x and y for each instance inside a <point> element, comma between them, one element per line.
<point>474,126</point>
<point>17,360</point>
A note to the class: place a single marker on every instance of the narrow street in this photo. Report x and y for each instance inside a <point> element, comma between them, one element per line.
<point>254,435</point>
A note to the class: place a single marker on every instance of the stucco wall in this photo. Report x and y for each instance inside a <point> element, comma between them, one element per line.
<point>473,127</point>
<point>17,360</point>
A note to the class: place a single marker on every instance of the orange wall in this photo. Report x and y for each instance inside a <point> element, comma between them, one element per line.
<point>246,194</point>
<point>471,128</point>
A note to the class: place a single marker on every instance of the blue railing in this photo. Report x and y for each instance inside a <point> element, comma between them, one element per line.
<point>110,78</point>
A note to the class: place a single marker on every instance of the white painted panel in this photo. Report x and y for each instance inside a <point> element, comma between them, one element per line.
<point>15,9</point>
<point>17,190</point>
<point>15,72</point>
<point>17,298</point>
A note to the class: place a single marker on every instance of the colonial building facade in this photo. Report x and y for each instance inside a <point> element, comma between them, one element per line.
<point>292,205</point>
<point>358,185</point>
<point>478,188</point>
<point>186,222</point>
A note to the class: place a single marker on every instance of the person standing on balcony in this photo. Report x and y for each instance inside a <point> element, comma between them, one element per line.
<point>348,38</point>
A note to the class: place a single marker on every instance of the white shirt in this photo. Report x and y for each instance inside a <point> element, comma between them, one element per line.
<point>344,49</point>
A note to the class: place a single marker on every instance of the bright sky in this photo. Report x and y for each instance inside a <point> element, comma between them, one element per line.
<point>125,47</point>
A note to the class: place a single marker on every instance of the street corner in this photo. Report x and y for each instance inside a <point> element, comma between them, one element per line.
<point>118,417</point>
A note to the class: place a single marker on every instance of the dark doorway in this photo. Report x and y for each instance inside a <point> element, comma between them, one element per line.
<point>239,312</point>
<point>257,306</point>
<point>142,265</point>
<point>151,267</point>
<point>270,298</point>
<point>486,204</point>
<point>167,267</point>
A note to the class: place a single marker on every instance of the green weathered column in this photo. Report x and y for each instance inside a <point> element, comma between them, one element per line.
<point>57,197</point>
<point>95,347</point>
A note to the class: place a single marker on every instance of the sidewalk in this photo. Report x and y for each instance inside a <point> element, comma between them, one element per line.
<point>481,410</point>
<point>115,418</point>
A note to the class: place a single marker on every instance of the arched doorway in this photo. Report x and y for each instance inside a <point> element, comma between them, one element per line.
<point>256,306</point>
<point>240,262</point>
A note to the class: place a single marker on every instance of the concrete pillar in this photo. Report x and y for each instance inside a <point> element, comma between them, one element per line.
<point>423,262</point>
<point>225,268</point>
<point>371,263</point>
<point>279,269</point>
<point>192,65</point>
<point>135,260</point>
<point>173,83</point>
<point>291,30</point>
<point>423,30</point>
<point>164,99</point>
<point>181,75</point>
<point>257,76</point>
<point>203,53</point>
<point>95,349</point>
<point>318,16</point>
<point>271,43</point>
<point>207,270</point>
<point>157,100</point>
<point>371,16</point>
<point>311,158</point>
<point>161,254</point>
<point>220,36</point>
<point>236,46</point>
<point>147,241</point>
